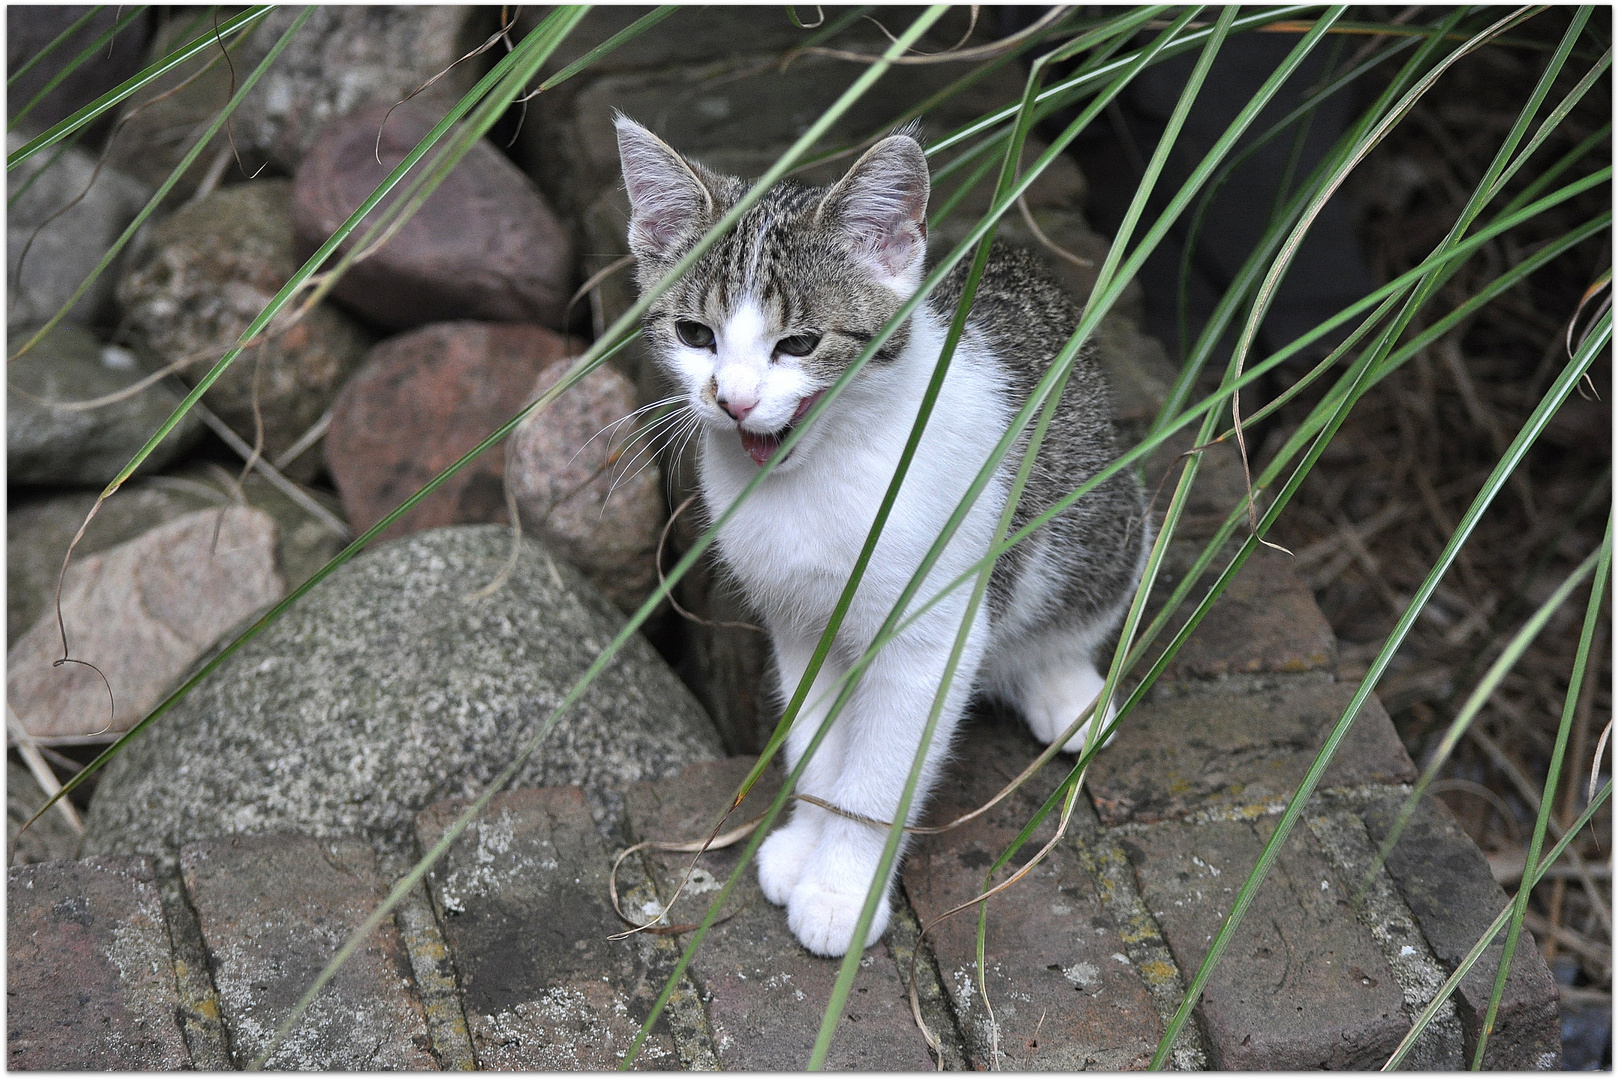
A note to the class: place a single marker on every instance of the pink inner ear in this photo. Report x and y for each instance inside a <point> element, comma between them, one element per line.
<point>883,206</point>
<point>665,199</point>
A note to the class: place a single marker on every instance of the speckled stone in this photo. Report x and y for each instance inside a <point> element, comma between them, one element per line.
<point>89,982</point>
<point>272,911</point>
<point>588,486</point>
<point>50,440</point>
<point>202,277</point>
<point>522,896</point>
<point>389,687</point>
<point>347,56</point>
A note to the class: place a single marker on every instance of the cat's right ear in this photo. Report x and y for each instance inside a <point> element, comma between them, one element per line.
<point>667,199</point>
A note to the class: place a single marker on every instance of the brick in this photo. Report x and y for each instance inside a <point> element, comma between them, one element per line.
<point>1265,621</point>
<point>765,993</point>
<point>1448,886</point>
<point>89,979</point>
<point>1239,746</point>
<point>1065,992</point>
<point>272,911</point>
<point>525,913</point>
<point>1302,985</point>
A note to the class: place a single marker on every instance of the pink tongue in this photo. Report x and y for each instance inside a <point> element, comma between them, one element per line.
<point>759,446</point>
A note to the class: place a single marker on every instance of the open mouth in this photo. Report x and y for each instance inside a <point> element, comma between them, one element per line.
<point>761,444</point>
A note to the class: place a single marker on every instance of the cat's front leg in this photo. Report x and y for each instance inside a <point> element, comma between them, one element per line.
<point>883,725</point>
<point>784,853</point>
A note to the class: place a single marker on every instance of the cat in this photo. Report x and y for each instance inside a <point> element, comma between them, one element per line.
<point>752,335</point>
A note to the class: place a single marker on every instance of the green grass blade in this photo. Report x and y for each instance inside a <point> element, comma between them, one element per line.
<point>1554,772</point>
<point>72,29</point>
<point>1516,646</point>
<point>1531,878</point>
<point>845,980</point>
<point>1531,429</point>
<point>1248,276</point>
<point>1323,192</point>
<point>156,200</point>
<point>1063,93</point>
<point>1560,113</point>
<point>592,358</point>
<point>61,150</point>
<point>134,83</point>
<point>74,64</point>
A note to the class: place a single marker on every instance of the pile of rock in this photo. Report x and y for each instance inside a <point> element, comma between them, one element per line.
<point>359,394</point>
<point>346,405</point>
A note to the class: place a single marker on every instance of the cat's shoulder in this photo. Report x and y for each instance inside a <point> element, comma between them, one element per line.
<point>1019,305</point>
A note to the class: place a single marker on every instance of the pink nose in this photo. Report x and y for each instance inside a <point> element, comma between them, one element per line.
<point>739,410</point>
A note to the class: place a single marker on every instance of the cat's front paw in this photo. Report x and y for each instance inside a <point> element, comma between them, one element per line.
<point>1052,701</point>
<point>782,857</point>
<point>824,921</point>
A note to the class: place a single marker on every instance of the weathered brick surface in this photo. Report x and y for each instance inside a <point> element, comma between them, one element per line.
<point>1342,837</point>
<point>523,898</point>
<point>272,911</point>
<point>89,984</point>
<point>1242,745</point>
<point>764,993</point>
<point>1302,985</point>
<point>1064,990</point>
<point>1265,621</point>
<point>1448,886</point>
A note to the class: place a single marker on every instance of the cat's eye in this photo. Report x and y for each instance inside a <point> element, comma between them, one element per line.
<point>798,344</point>
<point>694,334</point>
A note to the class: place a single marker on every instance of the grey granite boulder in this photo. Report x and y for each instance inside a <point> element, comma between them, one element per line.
<point>391,686</point>
<point>347,56</point>
<point>64,242</point>
<point>52,438</point>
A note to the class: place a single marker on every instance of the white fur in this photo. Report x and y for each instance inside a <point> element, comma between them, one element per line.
<point>792,546</point>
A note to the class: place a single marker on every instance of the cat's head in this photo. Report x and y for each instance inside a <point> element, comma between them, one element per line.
<point>774,312</point>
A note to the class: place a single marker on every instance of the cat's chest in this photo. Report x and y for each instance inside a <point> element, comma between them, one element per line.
<point>794,541</point>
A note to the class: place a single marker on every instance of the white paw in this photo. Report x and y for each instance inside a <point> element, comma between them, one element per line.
<point>824,921</point>
<point>1054,700</point>
<point>782,856</point>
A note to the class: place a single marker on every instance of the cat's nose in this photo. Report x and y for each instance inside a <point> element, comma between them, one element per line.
<point>739,408</point>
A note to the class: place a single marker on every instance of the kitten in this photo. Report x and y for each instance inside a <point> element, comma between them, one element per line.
<point>753,335</point>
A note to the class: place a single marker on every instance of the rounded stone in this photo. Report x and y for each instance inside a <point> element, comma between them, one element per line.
<point>53,438</point>
<point>421,401</point>
<point>483,246</point>
<point>397,682</point>
<point>202,277</point>
<point>586,479</point>
<point>64,220</point>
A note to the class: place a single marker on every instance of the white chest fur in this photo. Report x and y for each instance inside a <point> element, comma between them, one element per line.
<point>793,543</point>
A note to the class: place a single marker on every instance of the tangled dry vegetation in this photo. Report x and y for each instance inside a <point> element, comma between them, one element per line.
<point>1372,518</point>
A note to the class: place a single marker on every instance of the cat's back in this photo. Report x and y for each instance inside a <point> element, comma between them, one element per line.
<point>1025,318</point>
<point>1021,311</point>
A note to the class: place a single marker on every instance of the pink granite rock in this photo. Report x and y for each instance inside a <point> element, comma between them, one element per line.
<point>587,486</point>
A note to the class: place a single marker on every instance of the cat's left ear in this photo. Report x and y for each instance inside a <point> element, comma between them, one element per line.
<point>881,205</point>
<point>668,200</point>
